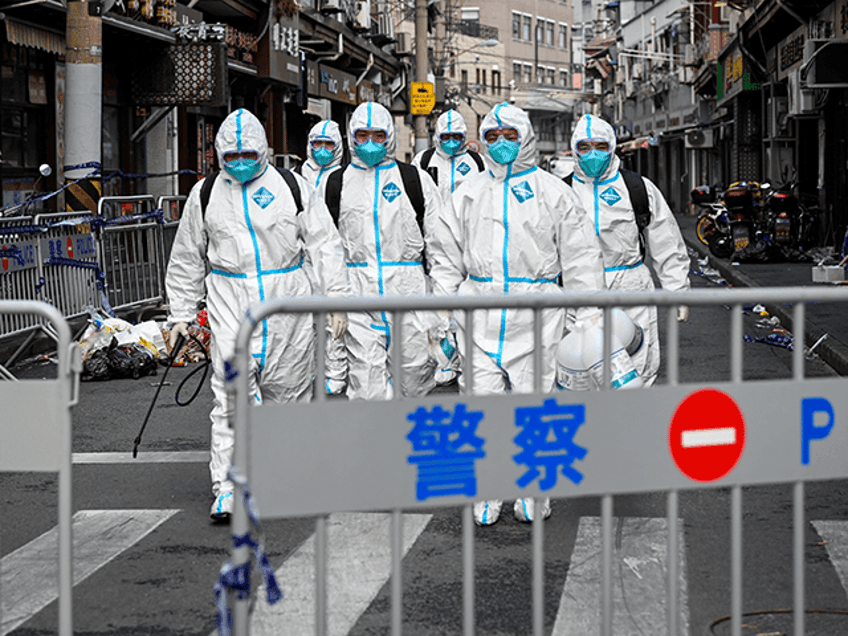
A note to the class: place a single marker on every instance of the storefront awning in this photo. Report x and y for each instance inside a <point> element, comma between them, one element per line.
<point>34,37</point>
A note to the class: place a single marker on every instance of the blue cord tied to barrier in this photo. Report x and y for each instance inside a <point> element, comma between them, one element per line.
<point>237,578</point>
<point>12,252</point>
<point>100,278</point>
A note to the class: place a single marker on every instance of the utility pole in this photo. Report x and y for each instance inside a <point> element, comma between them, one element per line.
<point>421,67</point>
<point>83,102</point>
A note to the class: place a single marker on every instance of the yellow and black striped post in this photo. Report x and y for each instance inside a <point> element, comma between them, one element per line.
<point>83,195</point>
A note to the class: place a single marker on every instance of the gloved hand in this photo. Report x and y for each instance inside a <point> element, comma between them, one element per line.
<point>443,350</point>
<point>682,313</point>
<point>338,321</point>
<point>179,328</point>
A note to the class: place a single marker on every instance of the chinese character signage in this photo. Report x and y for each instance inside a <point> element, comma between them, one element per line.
<point>278,55</point>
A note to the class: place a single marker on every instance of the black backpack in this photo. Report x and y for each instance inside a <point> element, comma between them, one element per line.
<point>427,157</point>
<point>411,185</point>
<point>206,190</point>
<point>638,197</point>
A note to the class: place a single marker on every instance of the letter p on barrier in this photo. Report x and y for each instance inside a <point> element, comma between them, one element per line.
<point>809,430</point>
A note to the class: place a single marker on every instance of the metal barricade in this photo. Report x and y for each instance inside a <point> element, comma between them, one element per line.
<point>172,211</point>
<point>371,461</point>
<point>18,275</point>
<point>130,253</point>
<point>36,430</point>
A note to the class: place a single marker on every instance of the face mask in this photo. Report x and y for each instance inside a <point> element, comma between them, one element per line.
<point>322,156</point>
<point>451,146</point>
<point>504,151</point>
<point>371,152</point>
<point>243,169</point>
<point>594,162</point>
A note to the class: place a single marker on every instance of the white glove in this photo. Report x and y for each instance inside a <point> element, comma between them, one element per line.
<point>682,313</point>
<point>179,328</point>
<point>338,321</point>
<point>443,350</point>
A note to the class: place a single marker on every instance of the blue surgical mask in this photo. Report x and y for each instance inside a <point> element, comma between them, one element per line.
<point>243,169</point>
<point>371,152</point>
<point>594,162</point>
<point>504,151</point>
<point>322,156</point>
<point>451,146</point>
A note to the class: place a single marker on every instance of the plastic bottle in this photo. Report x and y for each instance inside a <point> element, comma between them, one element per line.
<point>627,331</point>
<point>623,372</point>
<point>571,373</point>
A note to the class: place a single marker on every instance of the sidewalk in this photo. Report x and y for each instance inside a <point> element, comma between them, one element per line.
<point>821,319</point>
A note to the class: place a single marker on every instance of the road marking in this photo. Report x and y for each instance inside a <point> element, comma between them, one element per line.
<point>359,564</point>
<point>835,533</point>
<point>708,437</point>
<point>29,575</point>
<point>181,457</point>
<point>639,580</point>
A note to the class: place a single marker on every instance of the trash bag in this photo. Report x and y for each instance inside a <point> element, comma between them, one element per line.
<point>96,367</point>
<point>130,361</point>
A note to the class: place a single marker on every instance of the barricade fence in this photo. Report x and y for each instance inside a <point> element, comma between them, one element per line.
<point>36,429</point>
<point>334,455</point>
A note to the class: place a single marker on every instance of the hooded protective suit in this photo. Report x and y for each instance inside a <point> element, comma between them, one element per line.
<point>452,170</point>
<point>384,249</point>
<point>311,170</point>
<point>515,229</point>
<point>254,243</point>
<point>607,203</point>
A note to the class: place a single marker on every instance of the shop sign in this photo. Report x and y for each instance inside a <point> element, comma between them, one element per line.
<point>384,96</point>
<point>790,52</point>
<point>366,92</point>
<point>733,76</point>
<point>311,80</point>
<point>336,85</point>
<point>279,51</point>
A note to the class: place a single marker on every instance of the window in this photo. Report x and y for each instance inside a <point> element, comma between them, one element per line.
<point>463,75</point>
<point>528,73</point>
<point>551,76</point>
<point>563,36</point>
<point>453,69</point>
<point>528,26</point>
<point>563,77</point>
<point>469,14</point>
<point>516,72</point>
<point>496,82</point>
<point>516,26</point>
<point>23,137</point>
<point>478,76</point>
<point>540,74</point>
<point>483,83</point>
<point>550,38</point>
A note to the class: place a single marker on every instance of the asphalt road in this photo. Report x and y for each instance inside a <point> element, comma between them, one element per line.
<point>162,582</point>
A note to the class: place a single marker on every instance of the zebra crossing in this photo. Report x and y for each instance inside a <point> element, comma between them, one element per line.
<point>359,567</point>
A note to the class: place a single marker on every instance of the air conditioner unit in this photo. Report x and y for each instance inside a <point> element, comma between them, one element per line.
<point>778,108</point>
<point>362,19</point>
<point>699,138</point>
<point>331,7</point>
<point>402,45</point>
<point>689,55</point>
<point>385,25</point>
<point>636,70</point>
<point>801,100</point>
<point>685,74</point>
<point>629,88</point>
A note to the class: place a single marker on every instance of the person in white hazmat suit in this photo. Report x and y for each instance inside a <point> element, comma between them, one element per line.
<point>384,249</point>
<point>324,152</point>
<point>598,182</point>
<point>450,161</point>
<point>254,241</point>
<point>513,229</point>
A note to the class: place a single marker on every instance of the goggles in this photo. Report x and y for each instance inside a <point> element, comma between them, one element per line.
<point>587,145</point>
<point>492,135</point>
<point>362,135</point>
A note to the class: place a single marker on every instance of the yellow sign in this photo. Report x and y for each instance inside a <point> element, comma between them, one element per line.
<point>422,97</point>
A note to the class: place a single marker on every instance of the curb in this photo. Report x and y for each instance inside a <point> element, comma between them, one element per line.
<point>833,352</point>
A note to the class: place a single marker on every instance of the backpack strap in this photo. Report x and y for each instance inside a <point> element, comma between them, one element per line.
<point>412,186</point>
<point>299,169</point>
<point>426,158</point>
<point>477,159</point>
<point>641,206</point>
<point>206,191</point>
<point>569,179</point>
<point>291,182</point>
<point>333,194</point>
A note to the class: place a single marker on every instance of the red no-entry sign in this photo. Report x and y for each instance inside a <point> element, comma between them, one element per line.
<point>707,435</point>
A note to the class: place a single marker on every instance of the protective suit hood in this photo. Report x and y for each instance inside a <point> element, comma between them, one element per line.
<point>506,115</point>
<point>372,115</point>
<point>450,122</point>
<point>592,127</point>
<point>241,130</point>
<point>326,129</point>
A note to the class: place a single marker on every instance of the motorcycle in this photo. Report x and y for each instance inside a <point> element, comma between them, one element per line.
<point>745,213</point>
<point>713,225</point>
<point>791,225</point>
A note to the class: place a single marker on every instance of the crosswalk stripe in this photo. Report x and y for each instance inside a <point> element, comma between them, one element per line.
<point>359,564</point>
<point>835,534</point>
<point>639,580</point>
<point>155,457</point>
<point>29,575</point>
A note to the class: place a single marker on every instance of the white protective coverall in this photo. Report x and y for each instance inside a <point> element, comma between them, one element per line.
<point>384,249</point>
<point>312,171</point>
<point>451,170</point>
<point>606,201</point>
<point>254,243</point>
<point>513,230</point>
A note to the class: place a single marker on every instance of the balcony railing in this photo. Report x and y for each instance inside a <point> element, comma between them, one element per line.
<point>474,29</point>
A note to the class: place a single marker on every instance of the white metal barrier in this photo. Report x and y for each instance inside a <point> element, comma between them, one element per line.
<point>172,211</point>
<point>335,455</point>
<point>36,431</point>
<point>18,276</point>
<point>130,253</point>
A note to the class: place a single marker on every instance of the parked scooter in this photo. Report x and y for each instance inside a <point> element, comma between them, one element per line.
<point>713,225</point>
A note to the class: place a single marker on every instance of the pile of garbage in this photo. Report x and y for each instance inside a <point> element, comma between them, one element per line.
<point>113,348</point>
